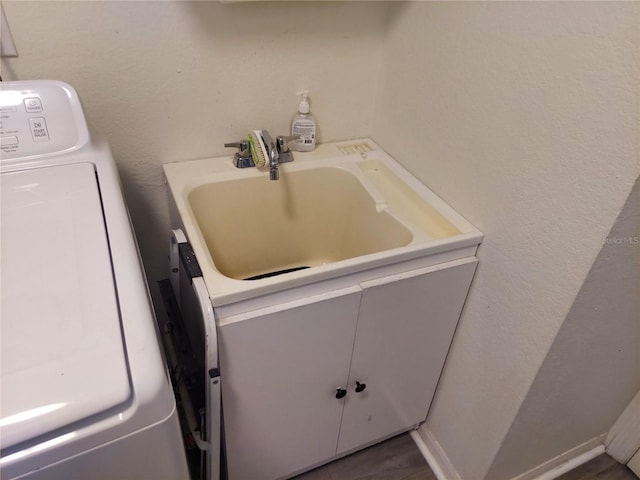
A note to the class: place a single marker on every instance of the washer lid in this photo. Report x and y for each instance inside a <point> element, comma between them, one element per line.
<point>63,359</point>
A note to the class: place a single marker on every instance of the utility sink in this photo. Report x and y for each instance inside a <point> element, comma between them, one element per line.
<point>306,219</point>
<point>342,209</point>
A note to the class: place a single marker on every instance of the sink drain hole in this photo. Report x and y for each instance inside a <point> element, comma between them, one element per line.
<point>277,272</point>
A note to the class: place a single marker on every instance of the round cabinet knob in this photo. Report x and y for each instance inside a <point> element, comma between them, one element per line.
<point>360,387</point>
<point>341,393</point>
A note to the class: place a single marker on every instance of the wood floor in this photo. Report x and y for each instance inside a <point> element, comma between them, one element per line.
<point>400,459</point>
<point>600,468</point>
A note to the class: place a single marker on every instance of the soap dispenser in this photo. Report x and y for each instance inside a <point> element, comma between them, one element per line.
<point>303,128</point>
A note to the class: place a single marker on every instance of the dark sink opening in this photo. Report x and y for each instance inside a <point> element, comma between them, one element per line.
<point>277,272</point>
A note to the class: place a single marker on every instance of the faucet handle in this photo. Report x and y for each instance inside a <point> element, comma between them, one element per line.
<point>242,158</point>
<point>242,145</point>
<point>283,142</point>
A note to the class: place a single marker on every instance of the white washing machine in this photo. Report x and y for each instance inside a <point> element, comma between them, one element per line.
<point>84,390</point>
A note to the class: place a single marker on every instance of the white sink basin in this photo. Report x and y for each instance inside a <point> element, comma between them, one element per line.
<point>331,214</point>
<point>306,219</point>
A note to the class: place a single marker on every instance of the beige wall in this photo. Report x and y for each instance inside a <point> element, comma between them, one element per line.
<point>524,117</point>
<point>171,81</point>
<point>592,369</point>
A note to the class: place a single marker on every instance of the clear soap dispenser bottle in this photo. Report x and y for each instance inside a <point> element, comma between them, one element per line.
<point>303,127</point>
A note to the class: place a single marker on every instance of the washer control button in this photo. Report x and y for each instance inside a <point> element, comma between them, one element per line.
<point>39,130</point>
<point>9,141</point>
<point>33,105</point>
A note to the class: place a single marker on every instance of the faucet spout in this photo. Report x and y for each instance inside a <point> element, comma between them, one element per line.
<point>272,151</point>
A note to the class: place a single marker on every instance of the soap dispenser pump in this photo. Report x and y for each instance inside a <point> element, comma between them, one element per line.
<point>303,128</point>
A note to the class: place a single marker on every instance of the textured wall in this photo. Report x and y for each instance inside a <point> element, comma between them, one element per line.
<point>592,370</point>
<point>524,117</point>
<point>171,81</point>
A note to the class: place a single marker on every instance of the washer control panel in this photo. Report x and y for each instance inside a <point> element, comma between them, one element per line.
<point>39,118</point>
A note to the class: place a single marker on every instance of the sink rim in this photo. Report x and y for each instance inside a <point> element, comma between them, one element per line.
<point>184,177</point>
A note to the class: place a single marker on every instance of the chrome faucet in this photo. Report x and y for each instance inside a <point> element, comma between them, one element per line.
<point>273,154</point>
<point>277,152</point>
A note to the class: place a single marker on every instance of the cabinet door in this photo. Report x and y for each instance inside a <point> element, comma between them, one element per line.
<point>405,327</point>
<point>280,368</point>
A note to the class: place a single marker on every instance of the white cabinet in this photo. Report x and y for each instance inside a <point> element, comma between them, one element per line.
<point>405,326</point>
<point>283,365</point>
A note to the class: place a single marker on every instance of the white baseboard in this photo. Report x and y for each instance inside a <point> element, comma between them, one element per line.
<point>567,461</point>
<point>434,455</point>
<point>444,469</point>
